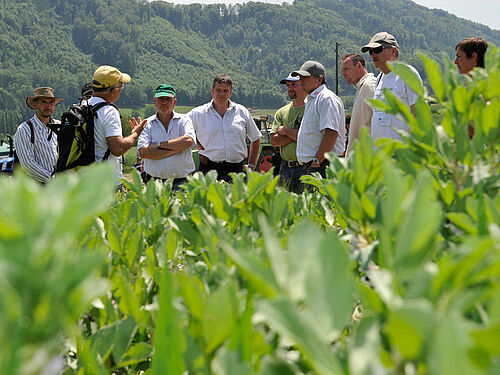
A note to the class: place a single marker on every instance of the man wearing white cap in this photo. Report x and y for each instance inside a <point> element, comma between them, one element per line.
<point>323,126</point>
<point>284,134</point>
<point>382,48</point>
<point>35,142</point>
<point>110,144</point>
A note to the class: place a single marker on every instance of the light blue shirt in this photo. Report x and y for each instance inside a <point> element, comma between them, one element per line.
<point>175,166</point>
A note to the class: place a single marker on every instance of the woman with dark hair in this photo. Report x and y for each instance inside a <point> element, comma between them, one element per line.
<point>470,54</point>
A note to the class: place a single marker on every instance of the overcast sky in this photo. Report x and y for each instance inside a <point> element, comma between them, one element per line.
<point>486,12</point>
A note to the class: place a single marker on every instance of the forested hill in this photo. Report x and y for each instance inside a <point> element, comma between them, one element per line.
<point>60,42</point>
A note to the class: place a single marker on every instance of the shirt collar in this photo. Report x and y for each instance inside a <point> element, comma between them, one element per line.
<point>363,79</point>
<point>316,91</point>
<point>174,116</point>
<point>36,121</point>
<point>230,106</point>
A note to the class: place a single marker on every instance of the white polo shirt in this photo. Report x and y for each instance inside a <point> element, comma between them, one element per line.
<point>224,138</point>
<point>175,166</point>
<point>383,124</point>
<point>107,124</point>
<point>324,110</point>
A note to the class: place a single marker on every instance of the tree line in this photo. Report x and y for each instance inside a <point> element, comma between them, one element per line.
<point>61,42</point>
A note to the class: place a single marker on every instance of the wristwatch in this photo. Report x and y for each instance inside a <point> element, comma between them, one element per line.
<point>315,161</point>
<point>251,165</point>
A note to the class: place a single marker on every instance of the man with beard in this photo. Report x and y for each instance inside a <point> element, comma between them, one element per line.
<point>35,143</point>
<point>284,134</point>
<point>383,48</point>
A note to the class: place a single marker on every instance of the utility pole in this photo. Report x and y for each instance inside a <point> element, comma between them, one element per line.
<point>337,68</point>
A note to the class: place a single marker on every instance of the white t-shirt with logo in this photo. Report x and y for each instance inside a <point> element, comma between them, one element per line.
<point>383,125</point>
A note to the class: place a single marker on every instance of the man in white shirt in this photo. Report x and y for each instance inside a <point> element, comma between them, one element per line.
<point>323,126</point>
<point>354,72</point>
<point>165,144</point>
<point>383,47</point>
<point>222,127</point>
<point>35,142</point>
<point>110,144</point>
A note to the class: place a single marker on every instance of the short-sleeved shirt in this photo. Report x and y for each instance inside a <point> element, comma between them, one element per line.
<point>107,124</point>
<point>175,166</point>
<point>38,159</point>
<point>383,125</point>
<point>361,110</point>
<point>291,117</point>
<point>224,138</point>
<point>324,110</point>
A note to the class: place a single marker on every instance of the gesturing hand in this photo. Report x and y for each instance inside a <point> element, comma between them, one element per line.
<point>137,125</point>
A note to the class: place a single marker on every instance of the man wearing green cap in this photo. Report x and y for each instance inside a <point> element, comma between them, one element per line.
<point>165,144</point>
<point>110,144</point>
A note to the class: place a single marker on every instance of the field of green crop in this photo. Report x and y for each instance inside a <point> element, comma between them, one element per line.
<point>391,267</point>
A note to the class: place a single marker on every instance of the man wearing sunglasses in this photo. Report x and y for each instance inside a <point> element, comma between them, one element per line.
<point>383,47</point>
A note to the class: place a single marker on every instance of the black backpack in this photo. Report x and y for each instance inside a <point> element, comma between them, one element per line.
<point>75,136</point>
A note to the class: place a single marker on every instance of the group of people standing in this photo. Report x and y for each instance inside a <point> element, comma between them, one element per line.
<point>307,128</point>
<point>293,121</point>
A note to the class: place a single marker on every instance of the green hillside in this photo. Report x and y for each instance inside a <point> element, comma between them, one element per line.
<point>60,43</point>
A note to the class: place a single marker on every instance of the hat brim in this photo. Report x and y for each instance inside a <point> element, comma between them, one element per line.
<point>371,45</point>
<point>125,78</point>
<point>302,73</point>
<point>30,100</point>
<point>284,81</point>
<point>165,94</point>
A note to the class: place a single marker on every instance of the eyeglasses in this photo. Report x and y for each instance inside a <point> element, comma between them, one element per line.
<point>377,50</point>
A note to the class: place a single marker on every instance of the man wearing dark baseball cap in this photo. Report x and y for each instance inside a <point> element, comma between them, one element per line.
<point>165,144</point>
<point>384,48</point>
<point>284,134</point>
<point>323,126</point>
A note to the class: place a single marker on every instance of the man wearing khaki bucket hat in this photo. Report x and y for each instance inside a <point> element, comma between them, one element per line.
<point>35,143</point>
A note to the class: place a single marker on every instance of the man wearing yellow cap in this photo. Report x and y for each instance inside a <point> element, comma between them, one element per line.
<point>36,144</point>
<point>165,144</point>
<point>110,144</point>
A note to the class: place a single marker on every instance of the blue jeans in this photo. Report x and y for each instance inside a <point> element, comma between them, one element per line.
<point>290,177</point>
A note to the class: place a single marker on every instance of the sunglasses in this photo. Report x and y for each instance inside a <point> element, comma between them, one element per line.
<point>377,50</point>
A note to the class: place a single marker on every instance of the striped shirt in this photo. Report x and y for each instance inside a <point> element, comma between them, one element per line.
<point>37,159</point>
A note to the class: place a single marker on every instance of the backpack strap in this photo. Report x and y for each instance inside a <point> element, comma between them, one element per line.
<point>30,124</point>
<point>94,109</point>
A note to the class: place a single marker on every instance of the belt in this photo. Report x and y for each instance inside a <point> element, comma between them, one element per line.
<point>292,163</point>
<point>226,163</point>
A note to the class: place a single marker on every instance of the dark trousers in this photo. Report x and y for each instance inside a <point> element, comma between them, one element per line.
<point>290,177</point>
<point>310,170</point>
<point>223,169</point>
<point>175,183</point>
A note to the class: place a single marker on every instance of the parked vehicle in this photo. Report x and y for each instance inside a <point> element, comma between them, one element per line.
<point>7,155</point>
<point>269,156</point>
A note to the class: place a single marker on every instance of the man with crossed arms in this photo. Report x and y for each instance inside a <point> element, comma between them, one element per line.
<point>165,143</point>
